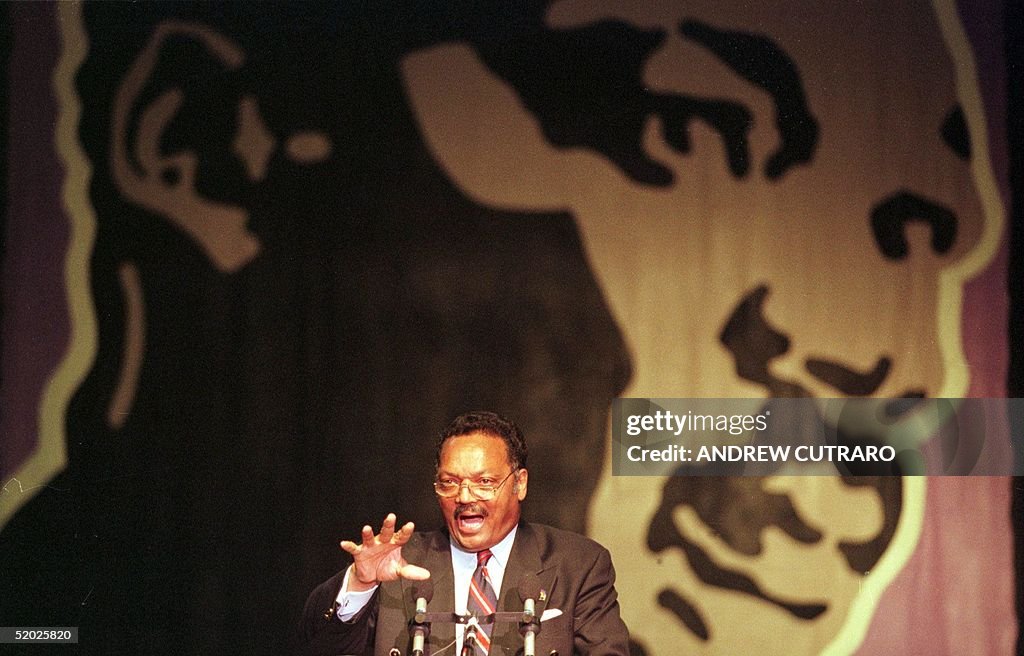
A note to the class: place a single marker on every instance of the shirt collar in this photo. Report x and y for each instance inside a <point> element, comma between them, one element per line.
<point>500,551</point>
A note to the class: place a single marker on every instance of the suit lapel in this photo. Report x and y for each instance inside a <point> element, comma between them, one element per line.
<point>524,559</point>
<point>436,557</point>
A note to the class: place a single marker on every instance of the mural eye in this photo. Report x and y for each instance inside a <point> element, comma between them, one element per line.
<point>762,62</point>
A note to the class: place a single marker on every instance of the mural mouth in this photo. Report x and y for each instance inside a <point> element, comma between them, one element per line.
<point>687,613</point>
<point>671,601</point>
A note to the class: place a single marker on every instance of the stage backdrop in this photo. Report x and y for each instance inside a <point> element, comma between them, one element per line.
<point>256,256</point>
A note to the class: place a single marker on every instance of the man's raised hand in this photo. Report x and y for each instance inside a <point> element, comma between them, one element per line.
<point>379,557</point>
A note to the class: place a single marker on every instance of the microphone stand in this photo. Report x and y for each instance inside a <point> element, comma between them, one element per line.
<point>422,592</point>
<point>529,631</point>
<point>529,627</point>
<point>469,641</point>
<point>420,633</point>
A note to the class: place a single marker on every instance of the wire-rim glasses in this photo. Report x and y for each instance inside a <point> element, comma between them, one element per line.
<point>448,489</point>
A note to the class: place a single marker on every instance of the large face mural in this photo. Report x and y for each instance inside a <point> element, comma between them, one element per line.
<point>775,203</point>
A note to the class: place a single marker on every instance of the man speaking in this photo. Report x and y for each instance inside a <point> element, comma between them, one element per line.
<point>485,562</point>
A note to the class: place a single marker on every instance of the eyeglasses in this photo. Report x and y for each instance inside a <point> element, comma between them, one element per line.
<point>481,491</point>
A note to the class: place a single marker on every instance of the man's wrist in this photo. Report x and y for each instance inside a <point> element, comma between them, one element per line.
<point>357,585</point>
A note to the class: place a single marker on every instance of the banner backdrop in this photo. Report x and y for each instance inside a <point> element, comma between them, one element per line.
<point>256,256</point>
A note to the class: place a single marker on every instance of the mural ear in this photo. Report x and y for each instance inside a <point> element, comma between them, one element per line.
<point>165,183</point>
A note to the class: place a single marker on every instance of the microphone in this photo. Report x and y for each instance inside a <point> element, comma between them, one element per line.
<point>529,592</point>
<point>422,592</point>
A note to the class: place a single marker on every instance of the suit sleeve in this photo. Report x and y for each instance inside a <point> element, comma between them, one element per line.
<point>599,630</point>
<point>323,634</point>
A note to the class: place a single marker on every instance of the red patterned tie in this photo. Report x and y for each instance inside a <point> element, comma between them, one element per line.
<point>482,600</point>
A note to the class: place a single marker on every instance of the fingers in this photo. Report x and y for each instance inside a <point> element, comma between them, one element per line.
<point>414,572</point>
<point>387,529</point>
<point>387,535</point>
<point>405,533</point>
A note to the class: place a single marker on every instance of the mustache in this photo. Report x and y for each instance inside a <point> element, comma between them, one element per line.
<point>470,508</point>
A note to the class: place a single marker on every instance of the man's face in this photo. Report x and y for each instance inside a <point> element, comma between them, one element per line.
<point>480,458</point>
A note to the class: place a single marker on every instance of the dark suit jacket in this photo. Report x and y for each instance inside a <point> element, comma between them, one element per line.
<point>575,572</point>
